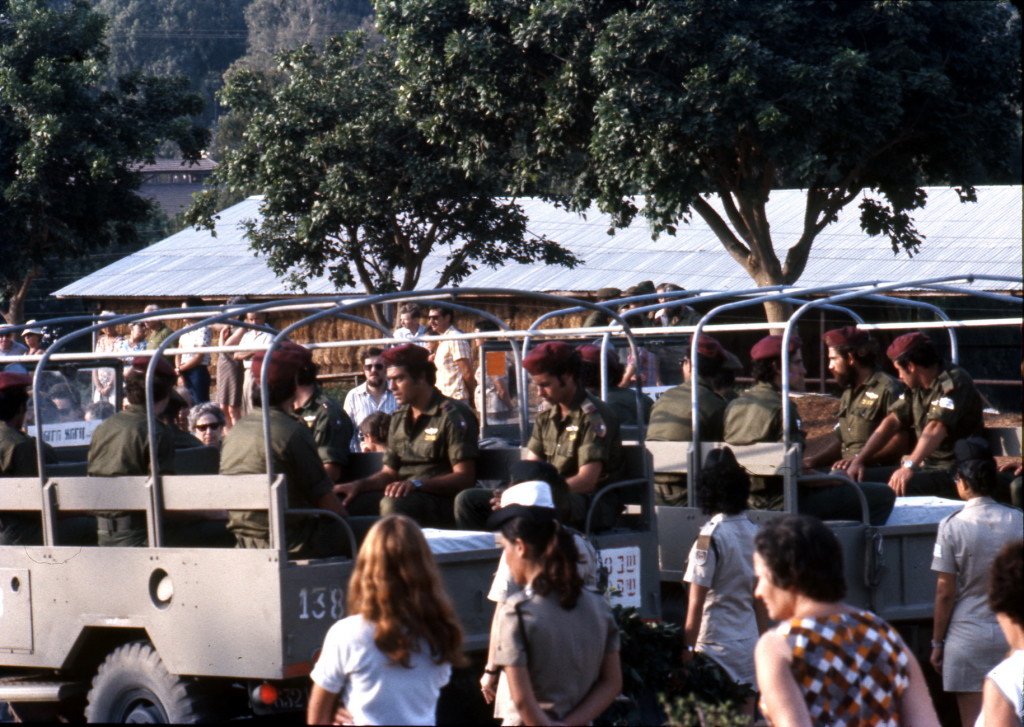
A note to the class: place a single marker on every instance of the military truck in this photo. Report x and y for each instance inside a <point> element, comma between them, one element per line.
<point>183,634</point>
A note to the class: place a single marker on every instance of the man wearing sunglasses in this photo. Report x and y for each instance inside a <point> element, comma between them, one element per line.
<point>370,396</point>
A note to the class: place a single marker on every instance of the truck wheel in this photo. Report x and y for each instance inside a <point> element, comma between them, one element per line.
<point>133,686</point>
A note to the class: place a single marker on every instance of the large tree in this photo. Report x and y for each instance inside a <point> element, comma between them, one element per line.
<point>351,186</point>
<point>683,100</point>
<point>69,145</point>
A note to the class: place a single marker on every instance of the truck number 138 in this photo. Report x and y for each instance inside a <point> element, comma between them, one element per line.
<point>320,602</point>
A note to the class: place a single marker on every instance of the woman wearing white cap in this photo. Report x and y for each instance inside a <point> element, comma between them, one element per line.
<point>556,642</point>
<point>33,338</point>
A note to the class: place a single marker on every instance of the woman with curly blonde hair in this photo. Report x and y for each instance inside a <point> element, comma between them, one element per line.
<point>386,663</point>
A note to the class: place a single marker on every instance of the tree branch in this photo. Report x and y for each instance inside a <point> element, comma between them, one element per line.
<point>733,246</point>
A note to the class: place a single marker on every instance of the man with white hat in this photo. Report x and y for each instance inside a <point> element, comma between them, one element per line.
<point>10,347</point>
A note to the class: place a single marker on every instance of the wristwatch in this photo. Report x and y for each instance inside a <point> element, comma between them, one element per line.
<point>908,464</point>
<point>417,483</point>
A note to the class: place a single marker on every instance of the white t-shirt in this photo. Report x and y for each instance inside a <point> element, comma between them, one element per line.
<point>375,690</point>
<point>1008,675</point>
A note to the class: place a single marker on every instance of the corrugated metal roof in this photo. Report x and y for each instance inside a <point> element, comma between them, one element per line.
<point>982,238</point>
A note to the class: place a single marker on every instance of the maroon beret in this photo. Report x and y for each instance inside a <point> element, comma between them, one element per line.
<point>710,347</point>
<point>408,354</point>
<point>846,336</point>
<point>771,347</point>
<point>905,344</point>
<point>547,356</point>
<point>11,380</point>
<point>163,367</point>
<point>285,363</point>
<point>591,353</point>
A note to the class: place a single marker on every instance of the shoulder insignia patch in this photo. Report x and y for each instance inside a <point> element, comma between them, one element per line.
<point>700,550</point>
<point>944,403</point>
<point>453,412</point>
<point>871,395</point>
<point>937,551</point>
<point>596,420</point>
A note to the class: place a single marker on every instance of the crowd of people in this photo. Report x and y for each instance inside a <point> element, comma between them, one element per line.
<point>554,650</point>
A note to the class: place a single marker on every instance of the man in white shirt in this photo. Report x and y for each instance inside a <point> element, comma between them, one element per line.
<point>251,337</point>
<point>370,396</point>
<point>409,326</point>
<point>453,358</point>
<point>193,368</point>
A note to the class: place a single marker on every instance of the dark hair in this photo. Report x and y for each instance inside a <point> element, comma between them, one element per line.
<point>486,324</point>
<point>278,394</point>
<point>376,425</point>
<point>976,466</point>
<point>866,354</point>
<point>370,352</point>
<point>1006,582</point>
<point>174,405</point>
<point>194,301</point>
<point>764,370</point>
<point>590,373</point>
<point>426,370</point>
<point>12,402</point>
<point>306,375</point>
<point>723,485</point>
<point>135,388</point>
<point>442,309</point>
<point>924,354</point>
<point>553,547</point>
<point>801,552</point>
<point>722,379</point>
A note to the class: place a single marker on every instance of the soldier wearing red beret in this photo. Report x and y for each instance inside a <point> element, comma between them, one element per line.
<point>756,416</point>
<point>672,417</point>
<point>868,392</point>
<point>623,400</point>
<point>578,433</point>
<point>120,447</point>
<point>294,454</point>
<point>431,451</point>
<point>941,405</point>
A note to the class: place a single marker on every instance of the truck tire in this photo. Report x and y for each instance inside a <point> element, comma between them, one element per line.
<point>133,686</point>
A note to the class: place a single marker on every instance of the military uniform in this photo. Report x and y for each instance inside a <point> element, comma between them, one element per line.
<point>863,408</point>
<point>588,433</point>
<point>120,447</point>
<point>445,433</point>
<point>18,459</point>
<point>671,421</point>
<point>295,456</point>
<point>952,400</point>
<point>623,400</point>
<point>756,416</point>
<point>330,425</point>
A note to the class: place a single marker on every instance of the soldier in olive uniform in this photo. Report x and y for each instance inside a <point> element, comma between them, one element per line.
<point>120,446</point>
<point>940,406</point>
<point>672,420</point>
<point>578,433</point>
<point>868,392</point>
<point>431,451</point>
<point>756,416</point>
<point>622,400</point>
<point>331,426</point>
<point>294,455</point>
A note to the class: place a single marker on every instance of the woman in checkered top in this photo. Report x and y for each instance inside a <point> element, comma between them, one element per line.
<point>827,662</point>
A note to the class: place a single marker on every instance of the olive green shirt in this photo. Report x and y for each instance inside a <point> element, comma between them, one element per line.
<point>330,425</point>
<point>445,433</point>
<point>158,337</point>
<point>294,455</point>
<point>18,453</point>
<point>756,416</point>
<point>588,433</point>
<point>952,400</point>
<point>120,447</point>
<point>622,401</point>
<point>671,419</point>
<point>863,408</point>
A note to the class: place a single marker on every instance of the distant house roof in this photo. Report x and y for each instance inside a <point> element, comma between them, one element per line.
<point>981,238</point>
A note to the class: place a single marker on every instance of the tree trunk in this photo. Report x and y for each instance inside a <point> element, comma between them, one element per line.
<point>15,312</point>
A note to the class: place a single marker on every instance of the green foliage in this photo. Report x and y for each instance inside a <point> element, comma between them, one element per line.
<point>678,100</point>
<point>650,653</point>
<point>690,711</point>
<point>351,186</point>
<point>69,145</point>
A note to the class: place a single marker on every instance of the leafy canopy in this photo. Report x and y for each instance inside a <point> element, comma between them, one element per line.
<point>351,186</point>
<point>678,100</point>
<point>68,145</point>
